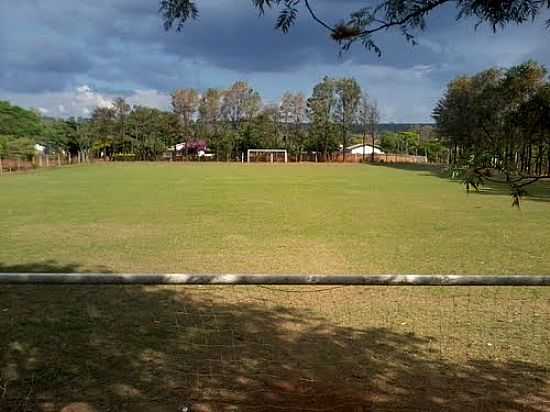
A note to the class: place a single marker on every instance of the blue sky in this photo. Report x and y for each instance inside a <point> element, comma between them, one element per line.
<point>64,57</point>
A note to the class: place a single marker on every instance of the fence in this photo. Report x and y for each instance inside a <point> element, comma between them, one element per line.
<point>38,161</point>
<point>94,342</point>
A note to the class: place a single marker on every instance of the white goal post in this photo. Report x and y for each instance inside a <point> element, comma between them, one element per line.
<point>271,153</point>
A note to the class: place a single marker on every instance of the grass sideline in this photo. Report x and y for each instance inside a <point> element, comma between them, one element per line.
<point>161,349</point>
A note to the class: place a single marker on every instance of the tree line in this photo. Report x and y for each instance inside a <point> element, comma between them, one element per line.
<point>496,123</point>
<point>227,121</point>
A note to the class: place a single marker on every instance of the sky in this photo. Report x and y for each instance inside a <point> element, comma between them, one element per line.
<point>65,57</point>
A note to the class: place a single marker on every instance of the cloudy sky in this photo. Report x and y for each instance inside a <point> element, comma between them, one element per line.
<point>64,57</point>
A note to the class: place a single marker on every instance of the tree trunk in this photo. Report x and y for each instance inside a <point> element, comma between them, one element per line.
<point>364,138</point>
<point>372,154</point>
<point>529,157</point>
<point>343,139</point>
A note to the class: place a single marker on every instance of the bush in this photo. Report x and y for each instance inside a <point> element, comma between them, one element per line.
<point>124,157</point>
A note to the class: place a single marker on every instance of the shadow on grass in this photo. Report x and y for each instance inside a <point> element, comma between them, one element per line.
<point>48,266</point>
<point>82,349</point>
<point>421,168</point>
<point>539,191</point>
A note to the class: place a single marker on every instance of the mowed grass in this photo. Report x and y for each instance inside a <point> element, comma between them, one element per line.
<point>165,349</point>
<point>260,218</point>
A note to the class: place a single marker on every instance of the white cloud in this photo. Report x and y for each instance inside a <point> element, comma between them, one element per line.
<point>86,98</point>
<point>82,100</point>
<point>150,98</point>
<point>404,94</point>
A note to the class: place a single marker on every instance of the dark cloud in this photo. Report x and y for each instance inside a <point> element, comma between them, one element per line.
<point>120,46</point>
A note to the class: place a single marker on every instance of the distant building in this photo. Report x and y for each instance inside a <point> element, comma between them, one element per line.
<point>197,148</point>
<point>357,149</point>
<point>39,148</point>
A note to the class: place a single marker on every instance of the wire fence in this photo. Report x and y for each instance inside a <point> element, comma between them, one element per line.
<point>25,164</point>
<point>234,343</point>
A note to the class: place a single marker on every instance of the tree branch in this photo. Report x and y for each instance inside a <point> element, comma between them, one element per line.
<point>419,12</point>
<point>317,19</point>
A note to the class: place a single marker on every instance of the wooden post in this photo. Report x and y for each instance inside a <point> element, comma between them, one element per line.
<point>1,167</point>
<point>58,159</point>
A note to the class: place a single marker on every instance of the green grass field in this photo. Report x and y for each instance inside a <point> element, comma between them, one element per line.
<point>164,349</point>
<point>257,218</point>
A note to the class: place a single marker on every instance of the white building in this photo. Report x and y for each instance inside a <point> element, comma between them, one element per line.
<point>357,149</point>
<point>39,148</point>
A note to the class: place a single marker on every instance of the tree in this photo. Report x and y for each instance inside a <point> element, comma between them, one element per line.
<point>18,122</point>
<point>495,122</point>
<point>293,114</point>
<point>286,110</point>
<point>405,16</point>
<point>373,118</point>
<point>121,110</point>
<point>363,119</point>
<point>348,93</point>
<point>272,114</point>
<point>240,103</point>
<point>21,148</point>
<point>321,106</point>
<point>103,128</point>
<point>185,104</point>
<point>210,109</point>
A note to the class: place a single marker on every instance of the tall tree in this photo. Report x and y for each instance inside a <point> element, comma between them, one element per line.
<point>321,106</point>
<point>363,119</point>
<point>286,111</point>
<point>273,114</point>
<point>299,117</point>
<point>293,115</point>
<point>373,118</point>
<point>103,128</point>
<point>240,103</point>
<point>185,103</point>
<point>348,94</point>
<point>210,109</point>
<point>122,109</point>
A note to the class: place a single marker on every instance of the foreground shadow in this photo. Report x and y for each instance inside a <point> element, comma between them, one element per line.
<point>84,349</point>
<point>48,266</point>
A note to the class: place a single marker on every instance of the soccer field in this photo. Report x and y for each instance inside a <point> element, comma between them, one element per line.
<point>261,348</point>
<point>264,219</point>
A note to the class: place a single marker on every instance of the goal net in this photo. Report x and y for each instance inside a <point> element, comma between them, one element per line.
<point>267,155</point>
<point>265,347</point>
